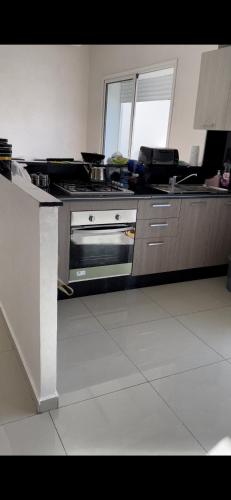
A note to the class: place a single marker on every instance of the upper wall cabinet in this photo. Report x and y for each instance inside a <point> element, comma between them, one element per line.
<point>213,107</point>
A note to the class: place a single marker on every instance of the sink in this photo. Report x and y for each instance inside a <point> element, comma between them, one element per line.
<point>182,189</point>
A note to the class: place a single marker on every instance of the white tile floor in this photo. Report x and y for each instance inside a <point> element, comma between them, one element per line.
<point>143,371</point>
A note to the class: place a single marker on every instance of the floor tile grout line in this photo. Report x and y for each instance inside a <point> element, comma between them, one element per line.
<point>19,419</point>
<point>123,308</point>
<point>131,361</point>
<point>134,364</point>
<point>164,377</point>
<point>124,353</point>
<point>201,310</point>
<point>169,315</point>
<point>77,336</point>
<point>133,324</point>
<point>156,302</point>
<point>146,381</point>
<point>191,312</point>
<point>178,417</point>
<point>101,395</point>
<point>199,338</point>
<point>167,376</point>
<point>53,423</point>
<point>188,370</point>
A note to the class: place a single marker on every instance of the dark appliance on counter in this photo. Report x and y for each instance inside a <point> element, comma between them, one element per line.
<point>101,244</point>
<point>158,156</point>
<point>163,163</point>
<point>160,164</point>
<point>5,158</point>
<point>164,156</point>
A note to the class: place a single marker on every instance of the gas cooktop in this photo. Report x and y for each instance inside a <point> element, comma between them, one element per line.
<point>86,189</point>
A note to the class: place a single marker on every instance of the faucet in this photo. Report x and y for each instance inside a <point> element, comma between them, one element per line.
<point>172,180</point>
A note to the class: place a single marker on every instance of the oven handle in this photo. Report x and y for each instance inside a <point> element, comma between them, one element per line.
<point>103,231</point>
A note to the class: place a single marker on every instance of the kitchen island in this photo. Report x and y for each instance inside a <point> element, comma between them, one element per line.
<point>177,237</point>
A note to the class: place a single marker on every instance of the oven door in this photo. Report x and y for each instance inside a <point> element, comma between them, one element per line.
<point>101,251</point>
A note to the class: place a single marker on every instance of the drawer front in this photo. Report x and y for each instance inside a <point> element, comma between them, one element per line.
<point>154,255</point>
<point>158,209</point>
<point>156,227</point>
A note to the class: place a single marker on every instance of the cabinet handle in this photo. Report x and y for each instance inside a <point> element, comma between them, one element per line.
<point>156,244</point>
<point>164,224</point>
<point>165,205</point>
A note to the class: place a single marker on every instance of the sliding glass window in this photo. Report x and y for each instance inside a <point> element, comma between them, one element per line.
<point>137,112</point>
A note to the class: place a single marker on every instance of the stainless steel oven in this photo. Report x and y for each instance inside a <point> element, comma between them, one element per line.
<point>101,244</point>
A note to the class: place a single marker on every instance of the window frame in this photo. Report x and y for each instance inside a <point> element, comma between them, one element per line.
<point>132,74</point>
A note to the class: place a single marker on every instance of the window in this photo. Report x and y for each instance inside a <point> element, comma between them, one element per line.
<point>137,111</point>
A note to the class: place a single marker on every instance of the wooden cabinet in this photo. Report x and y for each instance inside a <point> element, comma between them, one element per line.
<point>171,234</point>
<point>158,208</point>
<point>152,228</point>
<point>194,234</point>
<point>213,106</point>
<point>220,233</point>
<point>155,248</point>
<point>154,255</point>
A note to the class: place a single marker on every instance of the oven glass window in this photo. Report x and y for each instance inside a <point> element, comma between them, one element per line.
<point>101,250</point>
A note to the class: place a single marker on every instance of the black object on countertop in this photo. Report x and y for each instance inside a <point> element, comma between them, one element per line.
<point>92,157</point>
<point>59,159</point>
<point>159,156</point>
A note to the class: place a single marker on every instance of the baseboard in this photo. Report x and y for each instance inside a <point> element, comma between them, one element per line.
<point>93,287</point>
<point>48,404</point>
<point>42,405</point>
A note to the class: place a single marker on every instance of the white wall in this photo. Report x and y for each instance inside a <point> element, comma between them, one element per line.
<point>106,60</point>
<point>43,99</point>
<point>28,283</point>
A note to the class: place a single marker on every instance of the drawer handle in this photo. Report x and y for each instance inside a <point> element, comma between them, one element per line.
<point>155,244</point>
<point>159,225</point>
<point>163,205</point>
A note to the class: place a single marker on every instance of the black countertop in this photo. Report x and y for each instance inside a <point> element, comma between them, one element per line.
<point>142,192</point>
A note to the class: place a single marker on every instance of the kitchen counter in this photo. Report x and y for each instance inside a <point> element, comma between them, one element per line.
<point>141,193</point>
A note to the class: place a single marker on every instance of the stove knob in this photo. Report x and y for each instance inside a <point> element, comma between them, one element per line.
<point>91,218</point>
<point>118,217</point>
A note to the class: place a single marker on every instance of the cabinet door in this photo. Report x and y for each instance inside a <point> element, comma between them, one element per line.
<point>151,228</point>
<point>154,255</point>
<point>220,236</point>
<point>213,107</point>
<point>159,208</point>
<point>194,232</point>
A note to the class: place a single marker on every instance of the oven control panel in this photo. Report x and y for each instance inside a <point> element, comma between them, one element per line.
<point>98,217</point>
